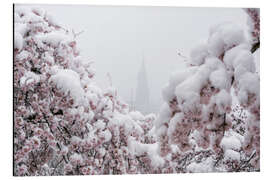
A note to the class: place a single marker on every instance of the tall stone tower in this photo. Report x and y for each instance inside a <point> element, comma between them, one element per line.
<point>142,91</point>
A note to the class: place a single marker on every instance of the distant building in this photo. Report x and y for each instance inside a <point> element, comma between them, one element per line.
<point>142,91</point>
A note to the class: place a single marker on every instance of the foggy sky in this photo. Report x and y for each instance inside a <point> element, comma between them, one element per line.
<point>117,38</point>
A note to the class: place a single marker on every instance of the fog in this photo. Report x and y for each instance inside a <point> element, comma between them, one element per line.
<point>117,39</point>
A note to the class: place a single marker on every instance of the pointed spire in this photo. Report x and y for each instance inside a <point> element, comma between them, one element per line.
<point>142,91</point>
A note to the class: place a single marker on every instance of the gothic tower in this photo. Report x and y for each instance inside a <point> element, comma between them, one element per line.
<point>142,91</point>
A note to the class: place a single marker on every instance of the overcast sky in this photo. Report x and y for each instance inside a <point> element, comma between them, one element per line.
<point>117,38</point>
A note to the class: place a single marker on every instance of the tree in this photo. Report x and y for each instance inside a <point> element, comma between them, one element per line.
<point>254,27</point>
<point>198,101</point>
<point>64,124</point>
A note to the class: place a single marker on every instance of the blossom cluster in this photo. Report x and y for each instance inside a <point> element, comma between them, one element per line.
<point>64,124</point>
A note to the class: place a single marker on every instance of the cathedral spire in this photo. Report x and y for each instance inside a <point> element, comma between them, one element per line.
<point>142,90</point>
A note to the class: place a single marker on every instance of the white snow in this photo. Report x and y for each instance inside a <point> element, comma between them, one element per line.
<point>127,122</point>
<point>231,54</point>
<point>138,148</point>
<point>213,63</point>
<point>185,85</point>
<point>224,36</point>
<point>173,122</point>
<point>220,79</point>
<point>188,91</point>
<point>102,151</point>
<point>198,54</point>
<point>223,101</point>
<point>230,142</point>
<point>107,135</point>
<point>233,35</point>
<point>21,28</point>
<point>18,41</point>
<point>54,38</point>
<point>248,83</point>
<point>164,116</point>
<point>176,78</point>
<point>76,159</point>
<point>231,155</point>
<point>25,14</point>
<point>256,55</point>
<point>69,81</point>
<point>174,148</point>
<point>23,55</point>
<point>47,57</point>
<point>136,115</point>
<point>243,63</point>
<point>202,167</point>
<point>29,77</point>
<point>215,45</point>
<point>75,140</point>
<point>100,124</point>
<point>52,20</point>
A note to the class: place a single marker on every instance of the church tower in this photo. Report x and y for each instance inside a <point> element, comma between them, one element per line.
<point>142,91</point>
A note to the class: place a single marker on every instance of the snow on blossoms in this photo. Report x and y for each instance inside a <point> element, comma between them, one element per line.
<point>64,124</point>
<point>198,99</point>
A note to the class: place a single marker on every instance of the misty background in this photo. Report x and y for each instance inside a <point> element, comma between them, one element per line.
<point>119,38</point>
